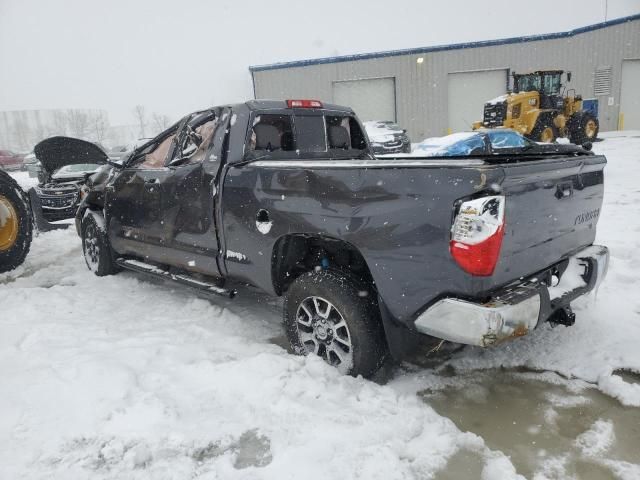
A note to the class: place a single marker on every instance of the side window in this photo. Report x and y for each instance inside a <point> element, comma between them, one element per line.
<point>552,84</point>
<point>155,158</point>
<point>344,133</point>
<point>270,133</point>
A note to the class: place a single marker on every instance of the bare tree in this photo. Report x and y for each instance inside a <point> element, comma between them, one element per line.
<point>159,122</point>
<point>78,121</point>
<point>40,132</point>
<point>99,124</point>
<point>22,134</point>
<point>59,123</point>
<point>141,119</point>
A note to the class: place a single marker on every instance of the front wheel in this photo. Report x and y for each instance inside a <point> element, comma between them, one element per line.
<point>545,131</point>
<point>330,314</point>
<point>584,127</point>
<point>96,249</point>
<point>16,227</point>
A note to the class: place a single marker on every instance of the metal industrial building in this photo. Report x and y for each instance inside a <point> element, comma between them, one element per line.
<point>435,90</point>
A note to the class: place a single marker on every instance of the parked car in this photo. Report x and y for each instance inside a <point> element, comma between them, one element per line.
<point>65,164</point>
<point>118,151</point>
<point>121,152</point>
<point>10,160</point>
<point>387,137</point>
<point>371,254</point>
<point>489,142</point>
<point>31,164</point>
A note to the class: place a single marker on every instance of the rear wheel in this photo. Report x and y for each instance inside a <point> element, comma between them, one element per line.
<point>332,315</point>
<point>584,127</point>
<point>96,249</point>
<point>16,226</point>
<point>544,131</point>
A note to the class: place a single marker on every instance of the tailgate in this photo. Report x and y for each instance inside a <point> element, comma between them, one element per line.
<point>552,207</point>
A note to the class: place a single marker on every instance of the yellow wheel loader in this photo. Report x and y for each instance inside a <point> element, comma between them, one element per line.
<point>16,225</point>
<point>543,109</point>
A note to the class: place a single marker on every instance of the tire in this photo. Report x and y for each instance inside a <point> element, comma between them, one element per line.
<point>544,131</point>
<point>97,251</point>
<point>583,127</point>
<point>336,316</point>
<point>16,224</point>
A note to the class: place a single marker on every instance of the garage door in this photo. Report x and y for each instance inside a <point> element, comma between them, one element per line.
<point>630,95</point>
<point>468,92</point>
<point>371,99</point>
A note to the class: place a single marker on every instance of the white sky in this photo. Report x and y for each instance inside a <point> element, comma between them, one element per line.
<point>177,56</point>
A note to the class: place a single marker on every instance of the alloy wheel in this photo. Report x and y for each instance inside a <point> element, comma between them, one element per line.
<point>323,331</point>
<point>91,247</point>
<point>547,135</point>
<point>9,225</point>
<point>590,129</point>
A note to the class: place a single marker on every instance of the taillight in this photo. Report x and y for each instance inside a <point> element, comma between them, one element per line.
<point>304,104</point>
<point>476,235</point>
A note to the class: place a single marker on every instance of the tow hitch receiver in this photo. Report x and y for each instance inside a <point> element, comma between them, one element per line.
<point>563,316</point>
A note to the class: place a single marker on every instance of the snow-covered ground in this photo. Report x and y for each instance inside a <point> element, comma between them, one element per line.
<point>123,377</point>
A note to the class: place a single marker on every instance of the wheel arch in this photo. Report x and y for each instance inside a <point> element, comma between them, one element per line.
<point>96,212</point>
<point>297,253</point>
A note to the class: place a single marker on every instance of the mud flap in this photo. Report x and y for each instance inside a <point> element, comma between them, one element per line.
<point>401,341</point>
<point>41,223</point>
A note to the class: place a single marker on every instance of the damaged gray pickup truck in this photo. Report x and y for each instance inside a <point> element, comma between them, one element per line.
<point>371,255</point>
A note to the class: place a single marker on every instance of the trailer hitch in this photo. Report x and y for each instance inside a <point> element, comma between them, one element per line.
<point>563,316</point>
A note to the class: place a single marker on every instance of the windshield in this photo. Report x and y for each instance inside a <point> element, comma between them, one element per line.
<point>528,83</point>
<point>379,128</point>
<point>77,169</point>
<point>389,125</point>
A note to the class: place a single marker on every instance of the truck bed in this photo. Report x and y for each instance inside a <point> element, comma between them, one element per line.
<point>398,213</point>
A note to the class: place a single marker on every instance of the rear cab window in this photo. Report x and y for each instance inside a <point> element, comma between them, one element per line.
<point>303,133</point>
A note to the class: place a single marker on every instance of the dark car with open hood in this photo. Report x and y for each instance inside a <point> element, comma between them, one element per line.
<point>66,163</point>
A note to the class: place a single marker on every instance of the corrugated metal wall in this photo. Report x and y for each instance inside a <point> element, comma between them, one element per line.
<point>421,89</point>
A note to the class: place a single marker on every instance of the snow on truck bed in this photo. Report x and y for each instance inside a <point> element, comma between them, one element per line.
<point>125,377</point>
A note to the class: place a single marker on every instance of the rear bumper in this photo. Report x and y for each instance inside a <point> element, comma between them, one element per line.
<point>518,308</point>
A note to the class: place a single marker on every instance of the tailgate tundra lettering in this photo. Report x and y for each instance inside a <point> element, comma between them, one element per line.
<point>587,216</point>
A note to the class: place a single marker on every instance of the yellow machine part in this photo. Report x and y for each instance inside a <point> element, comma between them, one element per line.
<point>523,110</point>
<point>9,224</point>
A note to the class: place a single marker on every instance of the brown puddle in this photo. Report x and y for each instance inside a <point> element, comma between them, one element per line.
<point>539,421</point>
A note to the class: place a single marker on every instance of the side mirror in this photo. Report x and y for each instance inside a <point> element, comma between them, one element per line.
<point>179,161</point>
<point>568,76</point>
<point>115,164</point>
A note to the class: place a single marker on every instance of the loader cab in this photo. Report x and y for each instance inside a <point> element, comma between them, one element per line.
<point>548,84</point>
